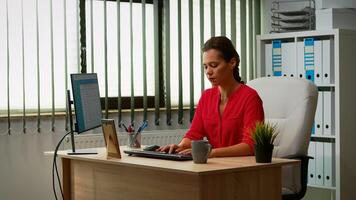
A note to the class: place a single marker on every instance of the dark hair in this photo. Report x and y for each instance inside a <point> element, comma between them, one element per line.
<point>228,51</point>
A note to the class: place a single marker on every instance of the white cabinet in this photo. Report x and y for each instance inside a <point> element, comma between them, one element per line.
<point>328,58</point>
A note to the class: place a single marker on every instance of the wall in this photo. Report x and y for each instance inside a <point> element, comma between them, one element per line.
<point>266,6</point>
<point>25,173</point>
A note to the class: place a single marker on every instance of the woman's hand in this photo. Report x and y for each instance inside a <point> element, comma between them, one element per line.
<point>186,151</point>
<point>170,148</point>
<point>212,153</point>
<point>174,148</point>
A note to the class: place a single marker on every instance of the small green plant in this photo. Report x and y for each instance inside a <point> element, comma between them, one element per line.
<point>264,133</point>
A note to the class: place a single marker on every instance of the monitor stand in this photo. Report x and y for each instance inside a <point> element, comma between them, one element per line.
<point>74,151</point>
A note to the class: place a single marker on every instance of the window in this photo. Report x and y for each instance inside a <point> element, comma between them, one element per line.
<point>125,50</point>
<point>196,45</point>
<point>28,90</point>
<point>24,83</point>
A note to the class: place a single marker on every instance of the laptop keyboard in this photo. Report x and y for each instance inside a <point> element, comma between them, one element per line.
<point>156,154</point>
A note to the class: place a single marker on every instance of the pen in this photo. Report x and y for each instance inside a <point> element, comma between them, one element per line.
<point>143,126</point>
<point>124,127</point>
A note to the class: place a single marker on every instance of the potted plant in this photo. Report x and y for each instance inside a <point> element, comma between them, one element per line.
<point>264,135</point>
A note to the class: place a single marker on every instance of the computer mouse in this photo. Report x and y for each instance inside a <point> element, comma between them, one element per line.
<point>152,147</point>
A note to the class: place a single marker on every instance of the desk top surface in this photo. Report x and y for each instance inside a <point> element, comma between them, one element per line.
<point>214,165</point>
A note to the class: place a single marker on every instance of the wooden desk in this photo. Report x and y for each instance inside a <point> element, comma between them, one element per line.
<point>135,178</point>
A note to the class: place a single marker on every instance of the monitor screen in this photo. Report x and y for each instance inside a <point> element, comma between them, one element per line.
<point>86,98</point>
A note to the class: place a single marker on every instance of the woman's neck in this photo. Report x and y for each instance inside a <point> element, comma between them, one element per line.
<point>227,89</point>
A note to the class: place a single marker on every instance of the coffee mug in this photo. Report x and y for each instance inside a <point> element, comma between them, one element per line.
<point>200,151</point>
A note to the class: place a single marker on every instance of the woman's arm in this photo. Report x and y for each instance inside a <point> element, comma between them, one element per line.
<point>241,149</point>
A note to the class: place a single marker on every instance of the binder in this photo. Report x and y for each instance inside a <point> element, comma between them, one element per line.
<point>319,115</point>
<point>277,57</point>
<point>329,164</point>
<point>328,61</point>
<point>318,65</point>
<point>319,163</point>
<point>309,60</point>
<point>288,59</point>
<point>329,110</point>
<point>311,164</point>
<point>268,60</point>
<point>300,59</point>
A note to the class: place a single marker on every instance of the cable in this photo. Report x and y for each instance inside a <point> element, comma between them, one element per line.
<point>54,168</point>
<point>53,184</point>
<point>59,180</point>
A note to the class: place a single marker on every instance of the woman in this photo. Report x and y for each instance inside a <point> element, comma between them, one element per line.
<point>226,112</point>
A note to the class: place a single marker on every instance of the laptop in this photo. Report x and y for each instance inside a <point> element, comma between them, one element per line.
<point>159,155</point>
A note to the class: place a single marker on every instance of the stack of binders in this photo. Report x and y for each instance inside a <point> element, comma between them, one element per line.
<point>321,170</point>
<point>311,58</point>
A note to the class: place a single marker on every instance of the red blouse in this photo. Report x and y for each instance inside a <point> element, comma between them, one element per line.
<point>243,109</point>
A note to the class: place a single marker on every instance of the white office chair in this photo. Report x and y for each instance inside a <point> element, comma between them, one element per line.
<point>291,104</point>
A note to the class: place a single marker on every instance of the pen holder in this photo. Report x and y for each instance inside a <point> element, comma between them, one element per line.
<point>134,140</point>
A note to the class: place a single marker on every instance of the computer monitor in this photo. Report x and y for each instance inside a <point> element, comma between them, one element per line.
<point>86,98</point>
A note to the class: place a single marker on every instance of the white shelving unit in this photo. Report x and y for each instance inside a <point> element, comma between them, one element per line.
<point>342,85</point>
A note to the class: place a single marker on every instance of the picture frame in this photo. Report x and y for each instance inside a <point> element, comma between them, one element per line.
<point>110,138</point>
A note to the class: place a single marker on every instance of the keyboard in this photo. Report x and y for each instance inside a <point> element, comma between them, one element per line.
<point>159,155</point>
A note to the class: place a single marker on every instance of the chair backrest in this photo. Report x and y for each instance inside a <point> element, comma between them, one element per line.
<point>290,103</point>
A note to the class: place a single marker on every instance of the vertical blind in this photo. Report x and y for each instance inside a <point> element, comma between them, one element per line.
<point>136,47</point>
<point>38,49</point>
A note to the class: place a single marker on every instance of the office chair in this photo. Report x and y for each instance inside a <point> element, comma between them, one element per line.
<point>290,103</point>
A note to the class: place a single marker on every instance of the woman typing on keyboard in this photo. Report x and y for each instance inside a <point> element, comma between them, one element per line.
<point>226,112</point>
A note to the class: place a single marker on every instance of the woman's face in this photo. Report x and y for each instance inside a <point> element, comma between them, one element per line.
<point>217,70</point>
